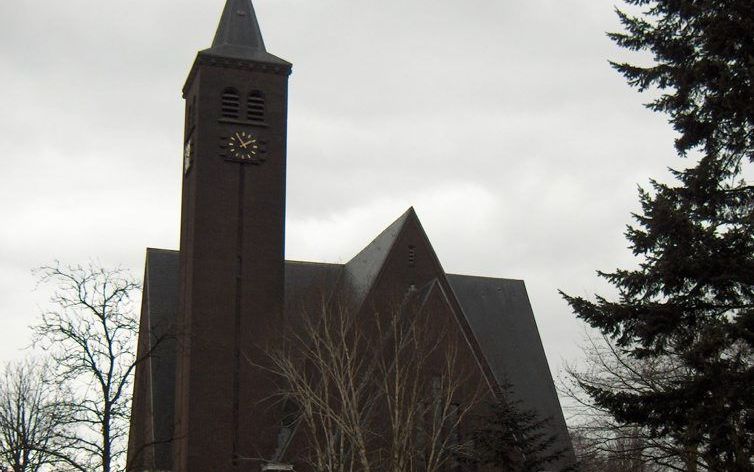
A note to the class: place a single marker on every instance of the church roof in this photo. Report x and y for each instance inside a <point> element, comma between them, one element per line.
<point>497,312</point>
<point>502,321</point>
<point>238,35</point>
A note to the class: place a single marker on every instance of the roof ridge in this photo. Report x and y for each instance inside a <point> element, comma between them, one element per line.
<point>296,261</point>
<point>487,277</point>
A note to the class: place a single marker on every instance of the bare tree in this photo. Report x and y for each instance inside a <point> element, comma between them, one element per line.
<point>622,446</point>
<point>90,333</point>
<point>33,426</point>
<point>378,392</point>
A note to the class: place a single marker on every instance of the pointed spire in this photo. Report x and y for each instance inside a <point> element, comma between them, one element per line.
<point>239,26</point>
<point>239,36</point>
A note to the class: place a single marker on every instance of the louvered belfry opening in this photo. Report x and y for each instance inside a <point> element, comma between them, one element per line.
<point>255,106</point>
<point>231,104</point>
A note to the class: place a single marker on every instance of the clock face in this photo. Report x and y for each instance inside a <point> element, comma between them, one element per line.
<point>245,147</point>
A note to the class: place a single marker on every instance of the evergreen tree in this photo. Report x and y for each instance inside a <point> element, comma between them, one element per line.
<point>516,439</point>
<point>692,295</point>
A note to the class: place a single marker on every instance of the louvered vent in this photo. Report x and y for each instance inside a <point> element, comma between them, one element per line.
<point>231,104</point>
<point>255,106</point>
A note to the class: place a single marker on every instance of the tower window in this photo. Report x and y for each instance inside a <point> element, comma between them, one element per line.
<point>255,106</point>
<point>411,256</point>
<point>231,104</point>
<point>191,114</point>
<point>189,117</point>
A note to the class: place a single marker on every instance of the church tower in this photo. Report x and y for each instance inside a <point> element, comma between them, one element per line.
<point>232,244</point>
<point>203,400</point>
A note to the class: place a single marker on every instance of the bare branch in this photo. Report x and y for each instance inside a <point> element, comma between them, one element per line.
<point>90,332</point>
<point>382,391</point>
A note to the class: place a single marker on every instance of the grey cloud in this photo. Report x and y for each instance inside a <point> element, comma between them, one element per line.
<point>500,120</point>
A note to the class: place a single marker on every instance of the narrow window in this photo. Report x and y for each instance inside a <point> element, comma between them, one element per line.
<point>189,117</point>
<point>255,106</point>
<point>193,111</point>
<point>191,114</point>
<point>231,104</point>
<point>411,256</point>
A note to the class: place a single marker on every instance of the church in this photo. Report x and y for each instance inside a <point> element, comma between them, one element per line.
<point>210,309</point>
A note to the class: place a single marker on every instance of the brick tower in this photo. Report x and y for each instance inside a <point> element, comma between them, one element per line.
<point>232,243</point>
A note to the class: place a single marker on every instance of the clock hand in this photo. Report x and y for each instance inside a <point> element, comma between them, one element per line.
<point>240,141</point>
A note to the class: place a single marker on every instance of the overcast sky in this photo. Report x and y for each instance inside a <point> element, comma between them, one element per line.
<point>500,121</point>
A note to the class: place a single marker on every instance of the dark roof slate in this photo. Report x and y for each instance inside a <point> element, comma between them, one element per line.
<point>308,284</point>
<point>501,318</point>
<point>161,293</point>
<point>361,271</point>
